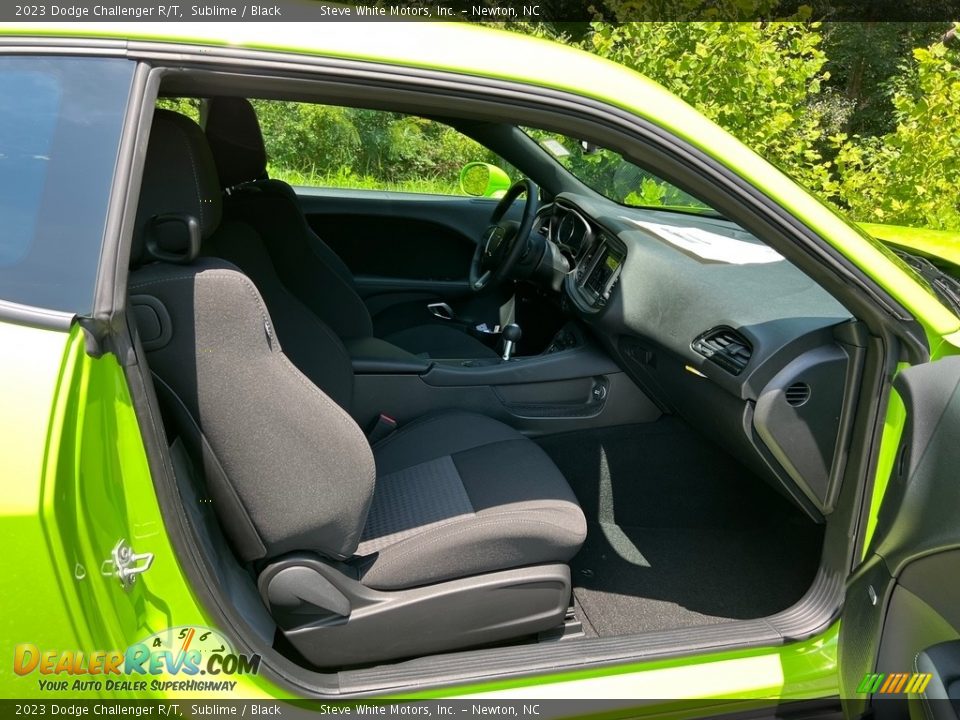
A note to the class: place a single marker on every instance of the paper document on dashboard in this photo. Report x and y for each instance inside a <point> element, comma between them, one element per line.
<point>712,246</point>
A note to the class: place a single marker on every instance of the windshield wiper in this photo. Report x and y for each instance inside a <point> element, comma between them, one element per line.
<point>945,286</point>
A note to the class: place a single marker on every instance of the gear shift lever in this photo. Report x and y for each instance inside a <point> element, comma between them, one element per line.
<point>511,336</point>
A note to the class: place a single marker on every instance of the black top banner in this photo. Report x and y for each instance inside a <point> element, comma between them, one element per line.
<point>482,11</point>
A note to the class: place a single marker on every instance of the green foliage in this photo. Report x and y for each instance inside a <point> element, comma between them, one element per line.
<point>346,179</point>
<point>911,175</point>
<point>863,59</point>
<point>185,106</point>
<point>757,80</point>
<point>651,194</point>
<point>352,147</point>
<point>609,174</point>
<point>307,138</point>
<point>851,110</point>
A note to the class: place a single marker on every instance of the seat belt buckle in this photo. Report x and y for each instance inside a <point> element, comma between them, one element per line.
<point>383,426</point>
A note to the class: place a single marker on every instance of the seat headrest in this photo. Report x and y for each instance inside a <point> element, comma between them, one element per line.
<point>233,132</point>
<point>180,185</point>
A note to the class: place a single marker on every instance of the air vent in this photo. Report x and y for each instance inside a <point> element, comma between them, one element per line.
<point>726,347</point>
<point>797,394</point>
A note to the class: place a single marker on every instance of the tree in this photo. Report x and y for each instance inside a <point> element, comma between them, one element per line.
<point>862,59</point>
<point>911,175</point>
<point>758,80</point>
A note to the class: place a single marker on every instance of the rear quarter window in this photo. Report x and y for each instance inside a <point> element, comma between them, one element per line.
<point>60,125</point>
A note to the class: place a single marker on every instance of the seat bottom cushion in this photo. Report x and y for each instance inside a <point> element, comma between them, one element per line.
<point>459,494</point>
<point>440,342</point>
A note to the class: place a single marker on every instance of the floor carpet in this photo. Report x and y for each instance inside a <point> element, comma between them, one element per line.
<point>680,534</point>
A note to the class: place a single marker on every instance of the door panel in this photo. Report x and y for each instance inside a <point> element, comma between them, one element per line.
<point>396,247</point>
<point>406,236</point>
<point>905,598</point>
<point>87,489</point>
<point>407,250</point>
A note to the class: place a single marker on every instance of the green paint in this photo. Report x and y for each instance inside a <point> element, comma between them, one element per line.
<point>483,180</point>
<point>93,488</point>
<point>936,243</point>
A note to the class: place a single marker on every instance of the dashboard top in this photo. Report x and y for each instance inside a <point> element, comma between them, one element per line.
<point>675,278</point>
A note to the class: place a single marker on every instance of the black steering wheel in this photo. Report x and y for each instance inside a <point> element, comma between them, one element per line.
<point>502,243</point>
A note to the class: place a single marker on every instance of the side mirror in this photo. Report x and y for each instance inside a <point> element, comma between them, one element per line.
<point>483,180</point>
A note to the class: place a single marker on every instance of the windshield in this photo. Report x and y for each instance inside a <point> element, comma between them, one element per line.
<point>618,179</point>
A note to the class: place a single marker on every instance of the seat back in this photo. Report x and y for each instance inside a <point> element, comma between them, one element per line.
<point>309,342</point>
<point>286,467</point>
<point>312,271</point>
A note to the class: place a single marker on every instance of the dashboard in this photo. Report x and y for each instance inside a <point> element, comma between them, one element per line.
<point>717,327</point>
<point>595,255</point>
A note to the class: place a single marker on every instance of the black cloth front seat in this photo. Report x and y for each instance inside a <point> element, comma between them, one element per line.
<point>449,497</point>
<point>306,265</point>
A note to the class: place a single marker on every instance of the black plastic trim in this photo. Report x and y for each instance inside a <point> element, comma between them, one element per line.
<point>817,609</point>
<point>733,364</point>
<point>34,316</point>
<point>394,284</point>
<point>112,274</point>
<point>388,366</point>
<point>333,619</point>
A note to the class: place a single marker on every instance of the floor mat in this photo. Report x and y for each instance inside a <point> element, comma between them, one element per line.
<point>679,534</point>
<point>688,576</point>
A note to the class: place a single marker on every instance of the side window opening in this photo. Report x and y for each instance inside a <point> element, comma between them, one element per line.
<point>185,106</point>
<point>339,147</point>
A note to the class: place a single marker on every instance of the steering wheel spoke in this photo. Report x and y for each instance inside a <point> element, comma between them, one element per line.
<point>503,241</point>
<point>481,282</point>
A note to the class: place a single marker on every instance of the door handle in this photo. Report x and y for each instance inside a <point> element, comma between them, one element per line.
<point>441,310</point>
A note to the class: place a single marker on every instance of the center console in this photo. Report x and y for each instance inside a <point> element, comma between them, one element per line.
<point>574,384</point>
<point>597,272</point>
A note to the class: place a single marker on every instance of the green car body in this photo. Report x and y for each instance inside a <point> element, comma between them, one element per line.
<point>76,470</point>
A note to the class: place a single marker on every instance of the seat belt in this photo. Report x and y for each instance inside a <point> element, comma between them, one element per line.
<point>382,428</point>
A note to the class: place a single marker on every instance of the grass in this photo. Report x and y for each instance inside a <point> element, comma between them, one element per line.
<point>349,180</point>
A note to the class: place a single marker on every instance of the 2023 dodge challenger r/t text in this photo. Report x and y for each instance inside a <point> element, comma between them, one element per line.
<point>536,436</point>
